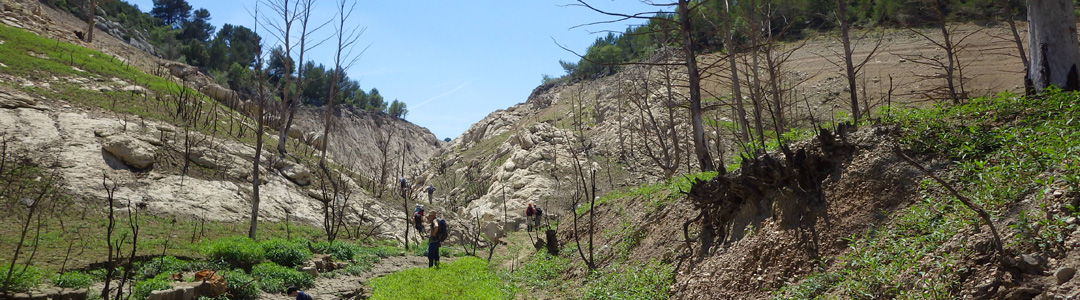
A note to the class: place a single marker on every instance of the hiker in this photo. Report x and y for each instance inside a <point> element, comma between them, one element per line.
<point>537,215</point>
<point>418,218</point>
<point>439,231</point>
<point>296,292</point>
<point>529,212</point>
<point>430,190</point>
<point>403,184</point>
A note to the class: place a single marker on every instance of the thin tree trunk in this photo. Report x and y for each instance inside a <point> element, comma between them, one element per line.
<point>694,77</point>
<point>255,171</point>
<point>740,107</point>
<point>849,64</point>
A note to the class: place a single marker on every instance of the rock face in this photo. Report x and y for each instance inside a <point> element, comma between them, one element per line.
<point>16,99</point>
<point>134,38</point>
<point>87,146</point>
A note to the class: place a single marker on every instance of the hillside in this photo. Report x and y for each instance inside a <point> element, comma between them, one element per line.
<point>821,225</point>
<point>173,142</point>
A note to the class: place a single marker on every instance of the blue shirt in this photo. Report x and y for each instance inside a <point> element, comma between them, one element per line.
<point>301,296</point>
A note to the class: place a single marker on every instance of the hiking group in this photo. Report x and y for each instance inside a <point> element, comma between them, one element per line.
<point>533,215</point>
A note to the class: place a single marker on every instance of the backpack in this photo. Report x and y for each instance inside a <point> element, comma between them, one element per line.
<point>539,212</point>
<point>444,231</point>
<point>417,218</point>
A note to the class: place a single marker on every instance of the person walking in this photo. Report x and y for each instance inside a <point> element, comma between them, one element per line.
<point>439,232</point>
<point>403,185</point>
<point>430,190</point>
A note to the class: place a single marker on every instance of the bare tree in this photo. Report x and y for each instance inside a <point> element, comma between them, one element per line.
<point>844,17</point>
<point>306,7</point>
<point>346,40</point>
<point>660,134</point>
<point>259,114</point>
<point>383,138</point>
<point>1053,46</point>
<point>289,11</point>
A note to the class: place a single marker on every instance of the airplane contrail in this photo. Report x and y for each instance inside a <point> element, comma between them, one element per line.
<point>440,95</point>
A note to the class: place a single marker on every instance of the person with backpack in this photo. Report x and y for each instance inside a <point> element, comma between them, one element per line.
<point>418,218</point>
<point>403,185</point>
<point>430,190</point>
<point>529,212</point>
<point>439,231</point>
<point>537,215</point>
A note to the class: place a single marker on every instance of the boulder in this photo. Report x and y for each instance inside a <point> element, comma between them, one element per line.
<point>1064,274</point>
<point>134,89</point>
<point>133,152</point>
<point>295,172</point>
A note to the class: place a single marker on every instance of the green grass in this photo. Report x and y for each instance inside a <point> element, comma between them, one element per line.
<point>465,278</point>
<point>1004,149</point>
<point>630,280</point>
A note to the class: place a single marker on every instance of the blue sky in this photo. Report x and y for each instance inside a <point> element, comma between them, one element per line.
<point>451,62</point>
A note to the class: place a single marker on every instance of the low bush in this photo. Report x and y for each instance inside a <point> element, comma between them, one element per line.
<point>237,251</point>
<point>340,250</point>
<point>275,279</point>
<point>286,253</point>
<point>73,280</point>
<point>21,279</point>
<point>241,285</point>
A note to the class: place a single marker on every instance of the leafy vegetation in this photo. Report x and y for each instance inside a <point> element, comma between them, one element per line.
<point>1009,152</point>
<point>73,280</point>
<point>275,279</point>
<point>464,278</point>
<point>286,253</point>
<point>143,288</point>
<point>235,250</point>
<point>631,280</point>
<point>660,194</point>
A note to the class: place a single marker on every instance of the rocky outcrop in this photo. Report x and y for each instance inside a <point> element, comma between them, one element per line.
<point>135,38</point>
<point>16,99</point>
<point>133,152</point>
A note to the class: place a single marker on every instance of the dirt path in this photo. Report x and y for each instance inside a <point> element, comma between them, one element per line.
<point>345,286</point>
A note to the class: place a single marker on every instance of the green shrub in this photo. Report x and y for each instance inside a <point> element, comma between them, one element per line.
<point>73,280</point>
<point>241,285</point>
<point>22,280</point>
<point>286,253</point>
<point>340,250</point>
<point>170,264</point>
<point>630,281</point>
<point>275,279</point>
<point>465,278</point>
<point>238,251</point>
<point>143,288</point>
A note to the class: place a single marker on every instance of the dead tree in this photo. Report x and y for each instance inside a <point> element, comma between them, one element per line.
<point>259,103</point>
<point>289,11</point>
<point>383,138</point>
<point>1053,46</point>
<point>844,17</point>
<point>660,134</point>
<point>346,40</point>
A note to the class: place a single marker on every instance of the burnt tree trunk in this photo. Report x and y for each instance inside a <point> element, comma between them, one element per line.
<point>1052,44</point>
